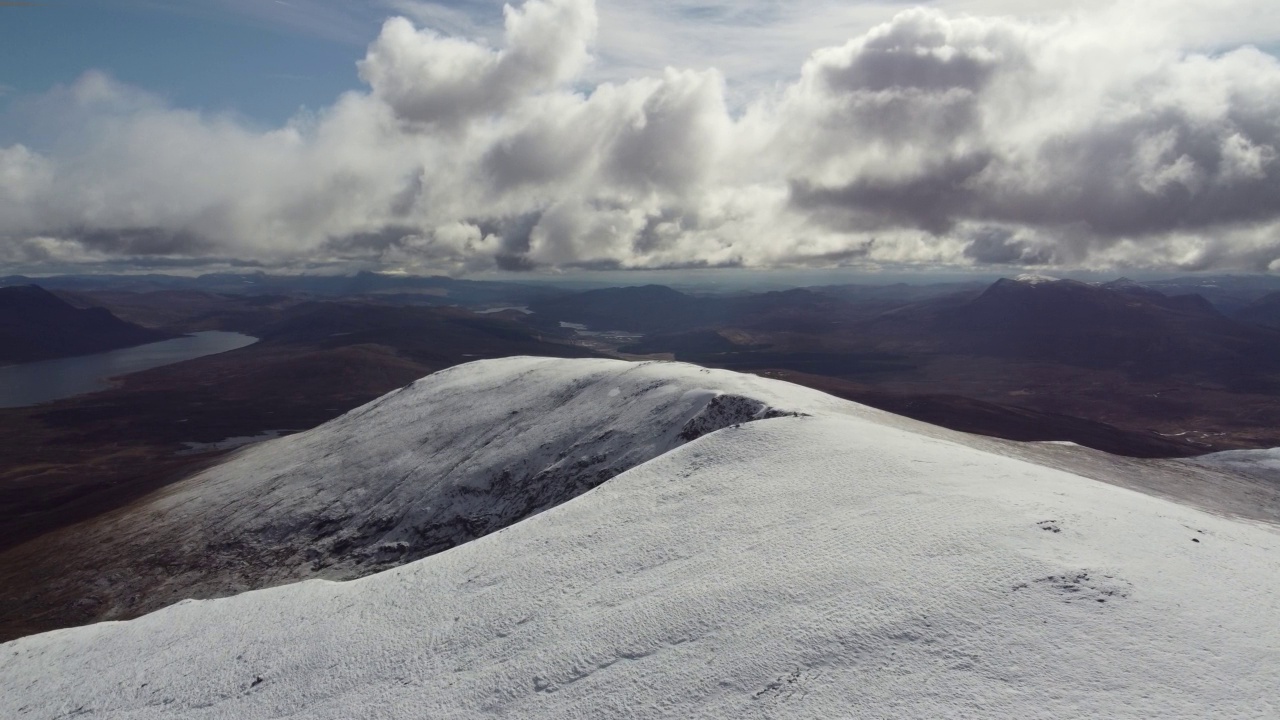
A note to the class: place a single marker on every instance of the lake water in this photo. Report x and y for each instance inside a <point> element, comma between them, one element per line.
<point>40,382</point>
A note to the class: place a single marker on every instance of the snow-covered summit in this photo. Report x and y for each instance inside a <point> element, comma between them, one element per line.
<point>461,453</point>
<point>454,456</point>
<point>1035,279</point>
<point>1123,282</point>
<point>831,561</point>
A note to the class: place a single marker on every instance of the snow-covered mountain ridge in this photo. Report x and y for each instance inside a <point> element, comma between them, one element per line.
<point>445,460</point>
<point>831,562</point>
<point>454,456</point>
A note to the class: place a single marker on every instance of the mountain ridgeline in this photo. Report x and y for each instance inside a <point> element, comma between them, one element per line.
<point>36,325</point>
<point>660,309</point>
<point>1118,325</point>
<point>1264,311</point>
<point>408,289</point>
<point>1140,331</point>
<point>1150,373</point>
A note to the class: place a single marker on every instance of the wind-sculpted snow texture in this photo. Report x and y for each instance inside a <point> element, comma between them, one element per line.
<point>838,562</point>
<point>450,458</point>
<point>445,460</point>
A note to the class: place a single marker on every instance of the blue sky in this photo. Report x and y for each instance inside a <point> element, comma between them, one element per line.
<point>213,59</point>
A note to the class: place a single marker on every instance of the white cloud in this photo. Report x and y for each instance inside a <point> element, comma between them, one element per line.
<point>434,80</point>
<point>928,138</point>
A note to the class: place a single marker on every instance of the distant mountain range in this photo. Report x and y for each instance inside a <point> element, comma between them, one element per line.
<point>1123,325</point>
<point>1121,365</point>
<point>660,309</point>
<point>37,325</point>
<point>407,289</point>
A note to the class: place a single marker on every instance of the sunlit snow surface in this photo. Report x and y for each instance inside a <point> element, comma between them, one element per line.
<point>843,563</point>
<point>1261,462</point>
<point>1035,279</point>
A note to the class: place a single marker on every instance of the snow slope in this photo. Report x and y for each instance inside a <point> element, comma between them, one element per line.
<point>1262,463</point>
<point>838,563</point>
<point>1035,279</point>
<point>454,456</point>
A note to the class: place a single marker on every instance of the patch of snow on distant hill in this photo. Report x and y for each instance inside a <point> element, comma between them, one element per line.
<point>1257,462</point>
<point>1035,279</point>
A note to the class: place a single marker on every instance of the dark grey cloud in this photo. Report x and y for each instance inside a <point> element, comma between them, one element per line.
<point>371,243</point>
<point>516,233</point>
<point>1158,173</point>
<point>403,202</point>
<point>141,241</point>
<point>542,153</point>
<point>1001,246</point>
<point>933,200</point>
<point>656,233</point>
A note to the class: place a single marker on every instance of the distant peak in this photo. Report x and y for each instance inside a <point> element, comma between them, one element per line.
<point>1035,279</point>
<point>30,294</point>
<point>649,291</point>
<point>1130,287</point>
<point>1122,282</point>
<point>28,289</point>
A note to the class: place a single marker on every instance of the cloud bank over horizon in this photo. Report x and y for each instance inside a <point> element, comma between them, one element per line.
<point>1092,140</point>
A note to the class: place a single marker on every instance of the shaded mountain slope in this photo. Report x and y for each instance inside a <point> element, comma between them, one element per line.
<point>647,308</point>
<point>1264,311</point>
<point>660,309</point>
<point>1118,366</point>
<point>180,310</point>
<point>37,325</point>
<point>840,562</point>
<point>1073,323</point>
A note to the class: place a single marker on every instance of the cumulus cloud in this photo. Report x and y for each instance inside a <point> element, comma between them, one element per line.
<point>975,120</point>
<point>931,138</point>
<point>433,80</point>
